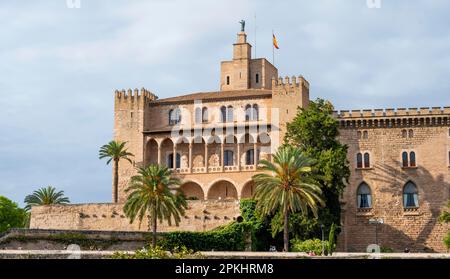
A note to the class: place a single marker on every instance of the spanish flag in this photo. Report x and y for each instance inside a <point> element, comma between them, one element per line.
<point>275,41</point>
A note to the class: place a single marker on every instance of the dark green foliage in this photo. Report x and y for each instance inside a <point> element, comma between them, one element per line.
<point>159,253</point>
<point>331,245</point>
<point>46,196</point>
<point>11,216</point>
<point>114,150</point>
<point>259,226</point>
<point>155,192</point>
<point>447,240</point>
<point>445,218</point>
<point>229,238</point>
<point>315,131</point>
<point>386,250</point>
<point>314,245</point>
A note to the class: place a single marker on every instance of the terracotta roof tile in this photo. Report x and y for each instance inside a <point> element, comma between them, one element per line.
<point>235,94</point>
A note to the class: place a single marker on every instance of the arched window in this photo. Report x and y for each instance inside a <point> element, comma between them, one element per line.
<point>410,195</point>
<point>359,134</point>
<point>365,135</point>
<point>364,196</point>
<point>412,159</point>
<point>228,80</point>
<point>170,161</point>
<point>366,160</point>
<point>359,162</point>
<point>228,158</point>
<point>223,114</point>
<point>230,113</point>
<point>257,78</point>
<point>204,114</point>
<point>170,116</point>
<point>251,112</point>
<point>248,112</point>
<point>404,134</point>
<point>405,159</point>
<point>250,157</point>
<point>255,112</point>
<point>411,133</point>
<point>198,115</point>
<point>174,116</point>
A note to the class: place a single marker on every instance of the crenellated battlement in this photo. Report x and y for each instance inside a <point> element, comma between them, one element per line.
<point>135,94</point>
<point>388,118</point>
<point>389,112</point>
<point>289,85</point>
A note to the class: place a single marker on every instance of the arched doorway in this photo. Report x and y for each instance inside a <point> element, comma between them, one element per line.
<point>167,152</point>
<point>248,190</point>
<point>222,190</point>
<point>151,152</point>
<point>192,191</point>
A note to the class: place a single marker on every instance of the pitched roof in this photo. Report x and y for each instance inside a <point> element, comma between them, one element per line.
<point>218,95</point>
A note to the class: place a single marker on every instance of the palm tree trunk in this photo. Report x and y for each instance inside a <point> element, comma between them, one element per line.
<point>286,231</point>
<point>116,181</point>
<point>154,223</point>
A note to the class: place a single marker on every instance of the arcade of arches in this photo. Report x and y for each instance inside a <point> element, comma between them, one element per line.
<point>226,173</point>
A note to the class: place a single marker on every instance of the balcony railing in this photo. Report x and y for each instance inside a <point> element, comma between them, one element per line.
<point>215,169</point>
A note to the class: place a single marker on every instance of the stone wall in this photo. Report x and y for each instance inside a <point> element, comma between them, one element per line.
<point>417,229</point>
<point>200,216</point>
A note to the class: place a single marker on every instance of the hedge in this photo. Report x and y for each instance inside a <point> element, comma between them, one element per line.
<point>232,237</point>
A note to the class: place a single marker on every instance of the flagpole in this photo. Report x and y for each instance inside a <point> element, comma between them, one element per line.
<point>273,50</point>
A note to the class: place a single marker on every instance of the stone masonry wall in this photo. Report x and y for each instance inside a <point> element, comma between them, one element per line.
<point>415,229</point>
<point>200,216</point>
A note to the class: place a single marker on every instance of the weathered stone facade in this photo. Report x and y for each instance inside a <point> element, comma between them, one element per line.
<point>386,135</point>
<point>213,142</point>
<point>199,216</point>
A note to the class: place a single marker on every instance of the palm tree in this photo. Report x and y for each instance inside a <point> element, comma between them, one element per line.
<point>289,186</point>
<point>115,151</point>
<point>45,196</point>
<point>154,193</point>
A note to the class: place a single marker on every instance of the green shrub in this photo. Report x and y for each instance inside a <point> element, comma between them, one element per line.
<point>11,216</point>
<point>314,245</point>
<point>386,250</point>
<point>447,240</point>
<point>158,253</point>
<point>331,246</point>
<point>228,238</point>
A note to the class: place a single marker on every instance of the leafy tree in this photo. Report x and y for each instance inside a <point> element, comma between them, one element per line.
<point>11,216</point>
<point>115,151</point>
<point>445,218</point>
<point>154,192</point>
<point>288,186</point>
<point>45,196</point>
<point>315,132</point>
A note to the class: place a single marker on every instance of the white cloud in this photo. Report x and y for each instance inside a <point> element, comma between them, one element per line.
<point>59,67</point>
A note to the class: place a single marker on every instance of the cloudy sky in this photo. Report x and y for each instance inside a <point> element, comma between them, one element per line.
<point>59,67</point>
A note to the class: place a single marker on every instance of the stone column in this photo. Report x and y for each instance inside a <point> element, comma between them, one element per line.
<point>239,156</point>
<point>206,157</point>
<point>221,155</point>
<point>174,165</point>
<point>255,154</point>
<point>190,158</point>
<point>159,155</point>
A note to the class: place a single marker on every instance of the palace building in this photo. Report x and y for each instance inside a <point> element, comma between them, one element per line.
<point>399,158</point>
